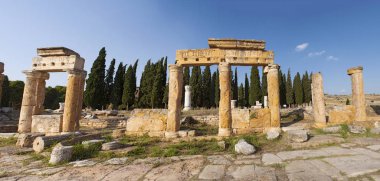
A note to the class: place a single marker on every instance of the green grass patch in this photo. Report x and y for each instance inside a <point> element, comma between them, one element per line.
<point>3,174</point>
<point>7,141</point>
<point>81,152</point>
<point>344,131</point>
<point>144,140</point>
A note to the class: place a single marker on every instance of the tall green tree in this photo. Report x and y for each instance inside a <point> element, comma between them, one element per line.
<point>255,89</point>
<point>217,90</point>
<point>306,85</point>
<point>196,86</point>
<point>5,95</point>
<point>158,90</point>
<point>166,96</point>
<point>109,81</point>
<point>117,91</point>
<point>289,90</point>
<point>94,95</point>
<point>128,97</point>
<point>212,89</point>
<point>206,87</point>
<point>282,87</point>
<point>17,88</point>
<point>53,96</point>
<point>146,85</point>
<point>246,91</point>
<point>298,90</point>
<point>264,86</point>
<point>241,95</point>
<point>235,86</point>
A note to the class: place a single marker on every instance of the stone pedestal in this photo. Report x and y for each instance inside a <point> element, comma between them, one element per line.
<point>187,104</point>
<point>318,100</point>
<point>274,94</point>
<point>358,98</point>
<point>70,114</point>
<point>28,102</point>
<point>174,102</point>
<point>225,117</point>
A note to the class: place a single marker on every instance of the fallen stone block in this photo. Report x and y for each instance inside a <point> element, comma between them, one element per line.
<point>112,145</point>
<point>273,133</point>
<point>117,161</point>
<point>222,144</point>
<point>191,133</point>
<point>182,133</point>
<point>83,163</point>
<point>298,136</point>
<point>333,129</point>
<point>91,142</point>
<point>377,124</point>
<point>61,154</point>
<point>356,129</point>
<point>244,148</point>
<point>26,139</point>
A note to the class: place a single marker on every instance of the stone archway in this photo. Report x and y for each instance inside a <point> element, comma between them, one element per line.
<point>53,59</point>
<point>224,53</point>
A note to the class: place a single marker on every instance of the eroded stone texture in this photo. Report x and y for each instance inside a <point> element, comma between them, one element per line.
<point>274,95</point>
<point>319,110</point>
<point>225,116</point>
<point>71,101</point>
<point>47,123</point>
<point>358,98</point>
<point>28,102</point>
<point>151,121</point>
<point>346,115</point>
<point>174,104</point>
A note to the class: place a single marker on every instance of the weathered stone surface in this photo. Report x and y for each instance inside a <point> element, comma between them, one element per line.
<point>346,115</point>
<point>218,160</point>
<point>377,124</point>
<point>332,129</point>
<point>116,161</point>
<point>375,130</point>
<point>311,170</point>
<point>356,165</point>
<point>273,133</point>
<point>356,129</point>
<point>182,133</point>
<point>61,154</point>
<point>274,95</point>
<point>260,118</point>
<point>270,159</point>
<point>298,136</point>
<point>222,144</point>
<point>243,172</point>
<point>26,139</point>
<point>47,123</point>
<point>318,140</point>
<point>367,152</point>
<point>174,102</point>
<point>358,97</point>
<point>212,172</point>
<point>225,116</point>
<point>90,142</point>
<point>83,163</point>
<point>245,148</point>
<point>147,120</point>
<point>191,133</point>
<point>118,133</point>
<point>319,110</point>
<point>112,145</point>
<point>374,147</point>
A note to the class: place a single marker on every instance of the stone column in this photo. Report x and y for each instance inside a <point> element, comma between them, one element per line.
<point>318,100</point>
<point>40,94</point>
<point>187,104</point>
<point>358,98</point>
<point>225,117</point>
<point>28,102</point>
<point>71,101</point>
<point>174,102</point>
<point>80,99</point>
<point>274,94</point>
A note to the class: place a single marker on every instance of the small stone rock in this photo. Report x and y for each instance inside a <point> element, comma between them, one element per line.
<point>375,130</point>
<point>244,148</point>
<point>191,133</point>
<point>89,116</point>
<point>118,133</point>
<point>356,129</point>
<point>182,133</point>
<point>332,129</point>
<point>222,144</point>
<point>90,142</point>
<point>83,163</point>
<point>273,133</point>
<point>117,161</point>
<point>111,145</point>
<point>61,154</point>
<point>298,136</point>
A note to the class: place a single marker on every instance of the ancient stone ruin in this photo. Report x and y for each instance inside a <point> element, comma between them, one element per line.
<point>32,117</point>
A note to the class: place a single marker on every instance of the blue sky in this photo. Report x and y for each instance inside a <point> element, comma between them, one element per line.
<point>331,35</point>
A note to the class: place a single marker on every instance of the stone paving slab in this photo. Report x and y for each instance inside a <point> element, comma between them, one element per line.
<point>355,165</point>
<point>374,147</point>
<point>271,159</point>
<point>304,170</point>
<point>212,172</point>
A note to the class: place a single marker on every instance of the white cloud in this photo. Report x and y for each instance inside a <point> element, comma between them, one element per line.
<point>301,47</point>
<point>332,58</point>
<point>314,54</point>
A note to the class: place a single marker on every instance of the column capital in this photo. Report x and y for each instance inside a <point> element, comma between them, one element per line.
<point>36,74</point>
<point>175,67</point>
<point>354,70</point>
<point>273,66</point>
<point>75,72</point>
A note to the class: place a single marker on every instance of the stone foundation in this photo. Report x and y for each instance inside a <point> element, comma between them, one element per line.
<point>342,115</point>
<point>47,123</point>
<point>147,121</point>
<point>104,123</point>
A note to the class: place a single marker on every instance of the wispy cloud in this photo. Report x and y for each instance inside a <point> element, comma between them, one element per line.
<point>301,47</point>
<point>332,58</point>
<point>314,54</point>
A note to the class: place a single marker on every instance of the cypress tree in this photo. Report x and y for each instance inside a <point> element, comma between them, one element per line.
<point>264,86</point>
<point>241,95</point>
<point>298,91</point>
<point>134,81</point>
<point>118,87</point>
<point>157,89</point>
<point>246,91</point>
<point>206,87</point>
<point>255,89</point>
<point>94,95</point>
<point>289,90</point>
<point>5,97</point>
<point>236,85</point>
<point>217,90</point>
<point>196,86</point>
<point>282,86</point>
<point>109,81</point>
<point>306,85</point>
<point>212,89</point>
<point>166,96</point>
<point>146,85</point>
<point>128,97</point>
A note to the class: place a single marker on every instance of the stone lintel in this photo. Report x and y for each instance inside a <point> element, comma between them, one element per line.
<point>58,63</point>
<point>354,70</point>
<point>1,67</point>
<point>229,43</point>
<point>55,51</point>
<point>232,56</point>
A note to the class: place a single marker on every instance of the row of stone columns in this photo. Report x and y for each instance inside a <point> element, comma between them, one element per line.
<point>34,97</point>
<point>225,115</point>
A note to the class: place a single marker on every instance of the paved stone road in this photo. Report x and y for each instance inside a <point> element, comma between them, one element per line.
<point>343,162</point>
